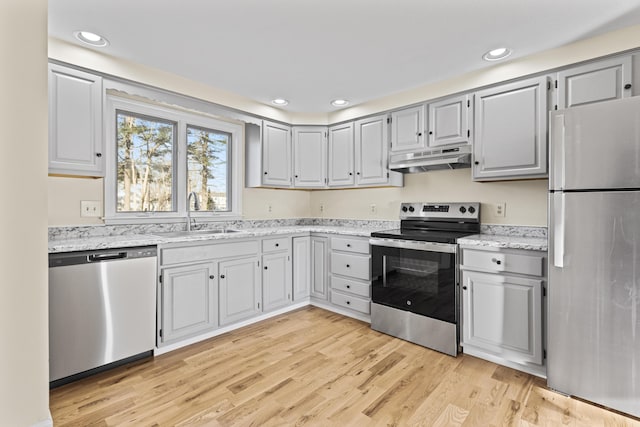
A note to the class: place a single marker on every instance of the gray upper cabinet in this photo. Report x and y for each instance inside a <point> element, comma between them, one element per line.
<point>310,157</point>
<point>595,82</point>
<point>510,131</point>
<point>372,155</point>
<point>449,121</point>
<point>276,154</point>
<point>407,129</point>
<point>75,122</point>
<point>341,152</point>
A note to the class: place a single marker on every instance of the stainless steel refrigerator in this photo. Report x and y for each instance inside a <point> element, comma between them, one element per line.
<point>593,348</point>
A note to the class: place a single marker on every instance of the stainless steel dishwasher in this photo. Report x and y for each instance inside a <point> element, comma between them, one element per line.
<point>102,310</point>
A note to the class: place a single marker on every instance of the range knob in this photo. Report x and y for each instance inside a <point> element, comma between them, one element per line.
<point>463,209</point>
<point>411,209</point>
<point>472,209</point>
<point>404,209</point>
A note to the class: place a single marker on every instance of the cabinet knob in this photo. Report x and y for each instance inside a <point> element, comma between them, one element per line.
<point>476,162</point>
<point>265,267</point>
<point>358,173</point>
<point>348,266</point>
<point>627,86</point>
<point>296,176</point>
<point>350,173</point>
<point>419,133</point>
<point>464,288</point>
<point>348,286</point>
<point>98,154</point>
<point>348,302</point>
<point>348,245</point>
<point>211,277</point>
<point>497,261</point>
<point>430,132</point>
<point>222,276</point>
<point>265,172</point>
<point>277,244</point>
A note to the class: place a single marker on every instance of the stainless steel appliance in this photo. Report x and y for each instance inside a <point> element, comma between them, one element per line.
<point>102,309</point>
<point>594,254</point>
<point>439,158</point>
<point>415,273</point>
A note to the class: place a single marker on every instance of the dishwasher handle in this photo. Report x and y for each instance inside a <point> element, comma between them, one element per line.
<point>106,256</point>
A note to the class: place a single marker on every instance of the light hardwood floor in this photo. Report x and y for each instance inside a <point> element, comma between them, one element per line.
<point>314,367</point>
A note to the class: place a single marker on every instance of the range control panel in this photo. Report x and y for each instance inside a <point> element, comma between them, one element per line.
<point>468,211</point>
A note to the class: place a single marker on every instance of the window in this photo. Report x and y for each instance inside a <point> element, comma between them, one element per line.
<point>160,155</point>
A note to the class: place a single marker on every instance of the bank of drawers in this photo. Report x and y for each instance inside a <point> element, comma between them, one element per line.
<point>351,274</point>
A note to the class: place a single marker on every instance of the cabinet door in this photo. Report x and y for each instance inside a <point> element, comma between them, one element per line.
<point>372,155</point>
<point>301,267</point>
<point>239,283</point>
<point>276,280</point>
<point>511,131</point>
<point>189,301</point>
<point>319,268</point>
<point>341,155</point>
<point>600,81</point>
<point>449,121</point>
<point>75,122</point>
<point>407,128</point>
<point>503,315</point>
<point>276,154</point>
<point>310,157</point>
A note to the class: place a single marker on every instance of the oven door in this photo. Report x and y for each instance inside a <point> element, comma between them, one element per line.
<point>419,277</point>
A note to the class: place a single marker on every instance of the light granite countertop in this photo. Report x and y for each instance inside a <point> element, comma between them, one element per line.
<point>130,240</point>
<point>505,242</point>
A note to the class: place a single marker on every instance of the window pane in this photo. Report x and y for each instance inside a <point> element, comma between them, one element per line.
<point>208,167</point>
<point>145,166</point>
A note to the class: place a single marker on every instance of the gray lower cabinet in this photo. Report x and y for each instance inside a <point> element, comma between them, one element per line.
<point>351,274</point>
<point>189,301</point>
<point>502,305</point>
<point>276,273</point>
<point>301,268</point>
<point>510,131</point>
<point>240,293</point>
<point>319,267</point>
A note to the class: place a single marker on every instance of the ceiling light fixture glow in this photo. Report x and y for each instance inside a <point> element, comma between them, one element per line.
<point>497,54</point>
<point>280,102</point>
<point>339,102</point>
<point>90,38</point>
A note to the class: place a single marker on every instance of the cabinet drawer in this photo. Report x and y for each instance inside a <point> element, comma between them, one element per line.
<point>351,286</point>
<point>170,256</point>
<point>356,266</point>
<point>276,245</point>
<point>350,245</point>
<point>352,302</point>
<point>503,262</point>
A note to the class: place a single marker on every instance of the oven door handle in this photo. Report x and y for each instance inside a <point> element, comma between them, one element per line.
<point>415,245</point>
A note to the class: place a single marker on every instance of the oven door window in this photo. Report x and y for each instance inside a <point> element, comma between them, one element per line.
<point>421,282</point>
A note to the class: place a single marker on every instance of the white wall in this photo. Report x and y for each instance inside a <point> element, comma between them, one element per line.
<point>526,201</point>
<point>24,371</point>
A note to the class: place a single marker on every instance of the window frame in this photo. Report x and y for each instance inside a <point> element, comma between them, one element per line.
<point>182,118</point>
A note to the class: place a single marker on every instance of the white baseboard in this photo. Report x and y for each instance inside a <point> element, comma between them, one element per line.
<point>330,307</point>
<point>44,423</point>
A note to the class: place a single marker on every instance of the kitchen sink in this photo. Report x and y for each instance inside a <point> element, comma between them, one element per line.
<point>195,233</point>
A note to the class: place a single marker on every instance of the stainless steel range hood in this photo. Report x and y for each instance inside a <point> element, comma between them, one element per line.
<point>423,161</point>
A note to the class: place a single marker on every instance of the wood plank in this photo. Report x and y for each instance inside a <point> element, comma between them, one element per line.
<point>314,367</point>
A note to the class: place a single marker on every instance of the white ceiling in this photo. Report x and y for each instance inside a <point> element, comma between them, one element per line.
<point>313,51</point>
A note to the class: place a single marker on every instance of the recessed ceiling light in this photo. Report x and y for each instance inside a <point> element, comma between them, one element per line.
<point>339,102</point>
<point>90,38</point>
<point>280,101</point>
<point>497,54</point>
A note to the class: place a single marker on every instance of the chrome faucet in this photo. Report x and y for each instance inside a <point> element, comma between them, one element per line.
<point>196,206</point>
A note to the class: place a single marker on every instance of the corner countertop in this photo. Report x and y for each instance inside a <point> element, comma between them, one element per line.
<point>505,242</point>
<point>131,240</point>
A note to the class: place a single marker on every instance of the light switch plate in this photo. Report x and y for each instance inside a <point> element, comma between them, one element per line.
<point>91,208</point>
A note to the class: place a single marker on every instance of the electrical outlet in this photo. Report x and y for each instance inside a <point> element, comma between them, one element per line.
<point>501,209</point>
<point>321,207</point>
<point>373,209</point>
<point>90,208</point>
<point>269,208</point>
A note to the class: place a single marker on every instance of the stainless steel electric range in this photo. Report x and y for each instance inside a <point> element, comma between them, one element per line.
<point>415,288</point>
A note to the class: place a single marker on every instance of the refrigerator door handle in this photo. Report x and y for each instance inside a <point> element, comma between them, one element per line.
<point>557,178</point>
<point>558,230</point>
